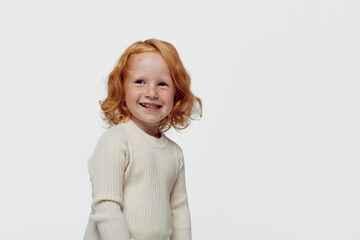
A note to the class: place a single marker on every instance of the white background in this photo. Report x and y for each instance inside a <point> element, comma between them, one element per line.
<point>275,156</point>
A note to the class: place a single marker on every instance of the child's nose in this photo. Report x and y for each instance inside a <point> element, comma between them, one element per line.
<point>151,92</point>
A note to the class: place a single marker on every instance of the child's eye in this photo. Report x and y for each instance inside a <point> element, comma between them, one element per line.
<point>140,81</point>
<point>162,84</point>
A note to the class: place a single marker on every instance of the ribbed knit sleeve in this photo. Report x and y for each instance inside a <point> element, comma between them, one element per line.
<point>180,215</point>
<point>106,169</point>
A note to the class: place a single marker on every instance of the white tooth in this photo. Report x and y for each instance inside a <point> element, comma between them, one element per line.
<point>150,106</point>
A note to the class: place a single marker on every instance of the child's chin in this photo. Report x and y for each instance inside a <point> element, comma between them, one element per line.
<point>150,121</point>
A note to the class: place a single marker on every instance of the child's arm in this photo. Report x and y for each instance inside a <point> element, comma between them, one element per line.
<point>106,169</point>
<point>180,215</point>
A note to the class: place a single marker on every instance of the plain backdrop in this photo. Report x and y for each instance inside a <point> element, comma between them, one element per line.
<point>276,155</point>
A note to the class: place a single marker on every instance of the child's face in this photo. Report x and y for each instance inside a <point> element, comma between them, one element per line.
<point>149,89</point>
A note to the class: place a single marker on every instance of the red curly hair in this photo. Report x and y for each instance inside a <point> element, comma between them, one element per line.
<point>186,104</point>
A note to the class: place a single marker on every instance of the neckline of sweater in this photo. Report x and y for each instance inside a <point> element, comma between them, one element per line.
<point>155,142</point>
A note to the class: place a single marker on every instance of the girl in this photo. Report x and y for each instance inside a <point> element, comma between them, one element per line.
<point>137,173</point>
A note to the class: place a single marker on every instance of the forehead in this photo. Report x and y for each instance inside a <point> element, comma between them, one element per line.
<point>147,63</point>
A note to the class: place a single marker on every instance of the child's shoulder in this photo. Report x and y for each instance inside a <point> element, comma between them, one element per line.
<point>173,145</point>
<point>114,133</point>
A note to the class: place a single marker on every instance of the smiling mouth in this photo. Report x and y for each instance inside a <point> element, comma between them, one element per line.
<point>153,106</point>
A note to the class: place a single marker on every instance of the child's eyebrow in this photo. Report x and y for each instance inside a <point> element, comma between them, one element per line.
<point>164,79</point>
<point>133,74</point>
<point>144,77</point>
<point>138,76</point>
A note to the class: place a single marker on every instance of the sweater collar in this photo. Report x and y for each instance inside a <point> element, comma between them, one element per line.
<point>155,142</point>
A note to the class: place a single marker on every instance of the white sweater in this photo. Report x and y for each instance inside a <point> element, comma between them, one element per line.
<point>138,187</point>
